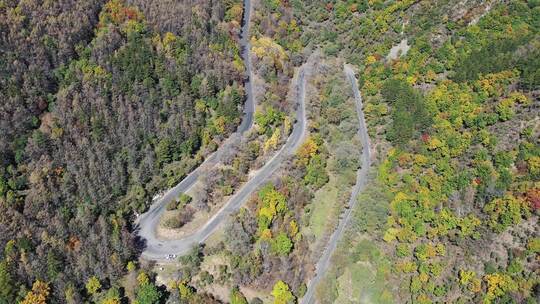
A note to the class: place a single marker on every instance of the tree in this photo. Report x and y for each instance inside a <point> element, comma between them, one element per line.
<point>112,296</point>
<point>282,244</point>
<point>316,172</point>
<point>148,294</point>
<point>142,278</point>
<point>131,266</point>
<point>185,290</point>
<point>505,109</point>
<point>206,278</point>
<point>466,276</point>
<point>164,151</point>
<point>282,293</point>
<point>93,285</point>
<point>7,287</point>
<point>533,245</point>
<point>54,264</point>
<point>498,284</point>
<point>38,294</point>
<point>273,202</point>
<point>237,297</point>
<point>409,113</point>
<point>183,200</point>
<point>270,117</point>
<point>191,262</point>
<point>307,150</point>
<point>302,289</point>
<point>237,239</point>
<point>506,211</point>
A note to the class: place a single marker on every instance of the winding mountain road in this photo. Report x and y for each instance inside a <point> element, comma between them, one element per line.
<point>156,249</point>
<point>361,177</point>
<point>148,221</point>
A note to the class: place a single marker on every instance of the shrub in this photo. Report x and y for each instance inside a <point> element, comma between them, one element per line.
<point>282,244</point>
<point>282,294</point>
<point>237,297</point>
<point>183,200</point>
<point>506,211</point>
<point>172,205</point>
<point>179,220</point>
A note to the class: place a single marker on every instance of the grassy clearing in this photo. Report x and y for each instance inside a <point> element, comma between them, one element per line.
<point>360,284</point>
<point>323,211</point>
<point>360,271</point>
<point>369,274</point>
<point>361,277</point>
<point>348,291</point>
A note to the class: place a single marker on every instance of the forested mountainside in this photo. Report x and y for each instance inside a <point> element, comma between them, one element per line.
<point>103,105</point>
<point>451,212</point>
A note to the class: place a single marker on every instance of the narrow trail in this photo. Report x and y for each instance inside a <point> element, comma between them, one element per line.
<point>361,177</point>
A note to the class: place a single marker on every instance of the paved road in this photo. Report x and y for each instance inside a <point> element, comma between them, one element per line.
<point>146,224</point>
<point>158,249</point>
<point>149,220</point>
<point>361,177</point>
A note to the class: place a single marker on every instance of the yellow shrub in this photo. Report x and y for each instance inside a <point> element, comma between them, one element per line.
<point>498,285</point>
<point>370,60</point>
<point>272,142</point>
<point>266,234</point>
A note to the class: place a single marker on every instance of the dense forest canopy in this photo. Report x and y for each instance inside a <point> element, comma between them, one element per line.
<point>451,212</point>
<point>104,104</point>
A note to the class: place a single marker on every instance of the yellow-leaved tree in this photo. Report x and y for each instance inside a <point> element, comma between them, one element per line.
<point>38,295</point>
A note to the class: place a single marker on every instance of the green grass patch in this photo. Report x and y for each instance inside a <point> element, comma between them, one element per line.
<point>323,208</point>
<point>365,280</point>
